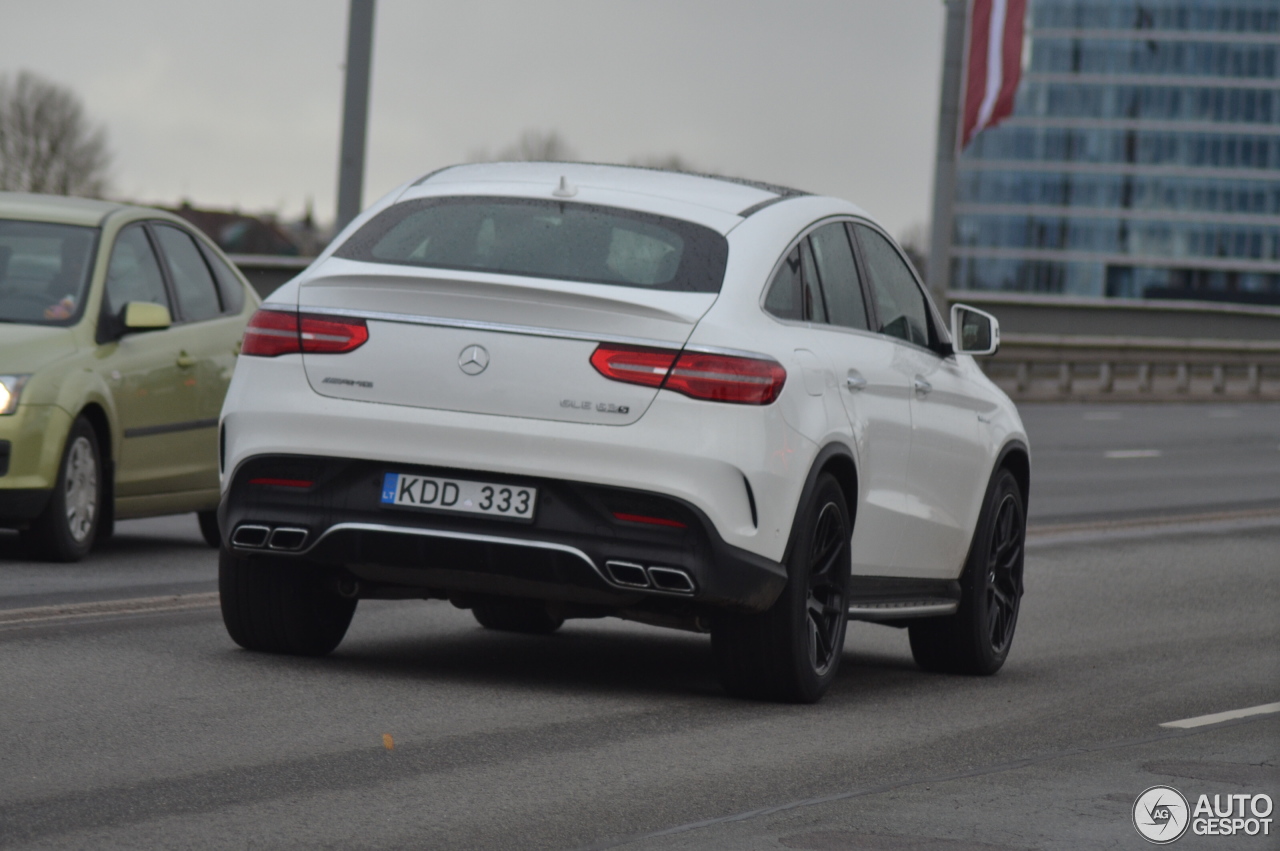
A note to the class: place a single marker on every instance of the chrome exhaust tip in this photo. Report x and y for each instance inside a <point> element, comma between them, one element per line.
<point>287,538</point>
<point>626,573</point>
<point>251,536</point>
<point>671,579</point>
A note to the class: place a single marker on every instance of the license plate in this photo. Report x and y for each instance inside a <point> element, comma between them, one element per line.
<point>430,492</point>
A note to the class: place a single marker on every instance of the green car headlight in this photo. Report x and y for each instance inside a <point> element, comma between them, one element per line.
<point>10,390</point>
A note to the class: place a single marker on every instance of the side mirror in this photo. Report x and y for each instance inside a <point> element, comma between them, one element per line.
<point>973,331</point>
<point>145,316</point>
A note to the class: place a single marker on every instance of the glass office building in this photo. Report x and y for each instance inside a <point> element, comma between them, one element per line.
<point>1142,159</point>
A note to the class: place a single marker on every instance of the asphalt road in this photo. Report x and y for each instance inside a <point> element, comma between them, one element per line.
<point>1090,463</point>
<point>151,729</point>
<point>1117,462</point>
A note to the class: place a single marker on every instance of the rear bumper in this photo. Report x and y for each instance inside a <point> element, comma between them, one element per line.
<point>575,549</point>
<point>742,466</point>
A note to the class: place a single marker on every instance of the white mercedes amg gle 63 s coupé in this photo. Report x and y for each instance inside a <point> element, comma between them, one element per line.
<point>546,391</point>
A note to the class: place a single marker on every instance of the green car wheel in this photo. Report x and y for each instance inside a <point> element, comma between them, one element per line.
<point>69,524</point>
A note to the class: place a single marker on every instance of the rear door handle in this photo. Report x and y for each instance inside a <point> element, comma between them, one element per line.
<point>854,380</point>
<point>185,360</point>
<point>922,386</point>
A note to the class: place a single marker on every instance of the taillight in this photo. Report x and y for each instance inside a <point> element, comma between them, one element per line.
<point>634,366</point>
<point>331,335</point>
<point>279,332</point>
<point>727,378</point>
<point>717,378</point>
<point>271,333</point>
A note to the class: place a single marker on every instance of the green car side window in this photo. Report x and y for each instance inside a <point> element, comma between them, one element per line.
<point>134,273</point>
<point>229,286</point>
<point>192,281</point>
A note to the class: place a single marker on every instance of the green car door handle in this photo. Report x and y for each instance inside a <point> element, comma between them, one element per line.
<point>185,360</point>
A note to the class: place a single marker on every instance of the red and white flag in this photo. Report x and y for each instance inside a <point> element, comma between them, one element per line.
<point>994,65</point>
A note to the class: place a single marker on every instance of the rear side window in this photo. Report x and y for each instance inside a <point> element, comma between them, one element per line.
<point>840,283</point>
<point>192,281</point>
<point>793,292</point>
<point>545,239</point>
<point>899,301</point>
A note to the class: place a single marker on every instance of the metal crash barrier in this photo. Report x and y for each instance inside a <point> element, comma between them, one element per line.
<point>1043,367</point>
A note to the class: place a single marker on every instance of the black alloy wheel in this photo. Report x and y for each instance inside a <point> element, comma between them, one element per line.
<point>826,603</point>
<point>977,638</point>
<point>1004,573</point>
<point>67,528</point>
<point>792,651</point>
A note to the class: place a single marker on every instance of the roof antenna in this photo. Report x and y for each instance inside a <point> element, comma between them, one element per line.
<point>565,189</point>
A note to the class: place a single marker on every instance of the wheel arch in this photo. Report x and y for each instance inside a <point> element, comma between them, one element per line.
<point>837,459</point>
<point>97,418</point>
<point>1015,458</point>
<point>100,422</point>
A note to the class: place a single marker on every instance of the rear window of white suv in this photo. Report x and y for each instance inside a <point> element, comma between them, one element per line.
<point>545,239</point>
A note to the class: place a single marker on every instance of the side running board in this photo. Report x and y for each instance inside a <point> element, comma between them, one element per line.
<point>889,610</point>
<point>890,598</point>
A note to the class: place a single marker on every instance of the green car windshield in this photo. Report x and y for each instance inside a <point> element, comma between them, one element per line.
<point>44,271</point>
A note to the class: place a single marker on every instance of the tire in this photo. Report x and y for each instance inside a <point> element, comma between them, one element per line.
<point>511,615</point>
<point>208,521</point>
<point>792,651</point>
<point>69,525</point>
<point>279,605</point>
<point>977,638</point>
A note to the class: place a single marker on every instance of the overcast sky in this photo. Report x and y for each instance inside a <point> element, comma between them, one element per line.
<point>238,102</point>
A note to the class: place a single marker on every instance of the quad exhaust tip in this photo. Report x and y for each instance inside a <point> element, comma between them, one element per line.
<point>251,536</point>
<point>287,538</point>
<point>626,573</point>
<point>671,579</point>
<point>256,537</point>
<point>632,575</point>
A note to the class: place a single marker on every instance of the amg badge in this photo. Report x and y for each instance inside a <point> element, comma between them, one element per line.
<point>347,382</point>
<point>602,407</point>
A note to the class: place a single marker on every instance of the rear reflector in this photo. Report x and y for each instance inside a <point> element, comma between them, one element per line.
<point>282,483</point>
<point>271,333</point>
<point>652,521</point>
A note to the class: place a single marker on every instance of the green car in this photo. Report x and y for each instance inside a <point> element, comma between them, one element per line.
<point>119,329</point>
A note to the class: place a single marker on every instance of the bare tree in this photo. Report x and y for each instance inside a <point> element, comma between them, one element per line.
<point>47,144</point>
<point>669,162</point>
<point>532,146</point>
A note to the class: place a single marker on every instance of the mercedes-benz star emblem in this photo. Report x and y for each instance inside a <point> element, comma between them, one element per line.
<point>473,360</point>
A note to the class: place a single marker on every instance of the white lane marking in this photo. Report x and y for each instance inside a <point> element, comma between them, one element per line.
<point>1219,717</point>
<point>136,605</point>
<point>1151,527</point>
<point>1132,453</point>
<point>1103,415</point>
